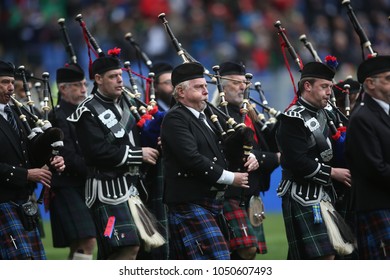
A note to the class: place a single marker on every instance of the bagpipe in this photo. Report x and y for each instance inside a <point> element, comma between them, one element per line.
<point>237,137</point>
<point>338,133</point>
<point>273,115</point>
<point>141,54</point>
<point>186,57</point>
<point>147,115</point>
<point>181,52</point>
<point>364,41</point>
<point>45,139</point>
<point>339,232</point>
<point>66,41</point>
<point>336,120</point>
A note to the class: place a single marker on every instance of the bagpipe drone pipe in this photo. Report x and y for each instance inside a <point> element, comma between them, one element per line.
<point>269,123</point>
<point>364,41</point>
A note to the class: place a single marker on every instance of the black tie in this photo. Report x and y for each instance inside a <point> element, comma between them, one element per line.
<point>10,118</point>
<point>202,117</point>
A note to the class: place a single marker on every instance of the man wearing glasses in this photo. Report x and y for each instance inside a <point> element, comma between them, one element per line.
<point>163,85</point>
<point>70,218</point>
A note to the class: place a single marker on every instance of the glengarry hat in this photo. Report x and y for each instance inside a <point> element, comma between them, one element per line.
<point>372,66</point>
<point>7,69</point>
<point>187,71</point>
<point>317,70</point>
<point>103,64</point>
<point>160,68</point>
<point>231,68</point>
<point>70,73</point>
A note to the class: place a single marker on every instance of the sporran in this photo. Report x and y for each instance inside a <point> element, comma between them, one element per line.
<point>28,214</point>
<point>256,211</point>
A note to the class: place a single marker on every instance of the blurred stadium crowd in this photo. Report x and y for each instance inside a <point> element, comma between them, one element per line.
<point>212,31</point>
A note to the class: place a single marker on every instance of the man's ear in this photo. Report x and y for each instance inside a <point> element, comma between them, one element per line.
<point>98,79</point>
<point>307,86</point>
<point>370,84</point>
<point>62,87</point>
<point>180,92</point>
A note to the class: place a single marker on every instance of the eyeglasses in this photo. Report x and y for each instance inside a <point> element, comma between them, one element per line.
<point>166,82</point>
<point>385,76</point>
<point>79,84</point>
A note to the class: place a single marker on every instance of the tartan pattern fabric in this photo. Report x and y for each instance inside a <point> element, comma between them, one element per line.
<point>244,234</point>
<point>70,217</point>
<point>317,214</point>
<point>373,235</point>
<point>159,209</point>
<point>28,243</point>
<point>306,239</point>
<point>124,233</point>
<point>194,233</point>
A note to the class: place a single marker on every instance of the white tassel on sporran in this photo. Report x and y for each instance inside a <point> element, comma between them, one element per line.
<point>343,247</point>
<point>146,224</point>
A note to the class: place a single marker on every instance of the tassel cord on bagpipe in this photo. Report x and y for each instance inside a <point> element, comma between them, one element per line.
<point>141,112</point>
<point>141,55</point>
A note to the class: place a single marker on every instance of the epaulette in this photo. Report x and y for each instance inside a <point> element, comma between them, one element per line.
<point>295,112</point>
<point>80,110</point>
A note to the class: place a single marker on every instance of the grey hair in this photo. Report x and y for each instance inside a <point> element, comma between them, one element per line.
<point>183,85</point>
<point>216,99</point>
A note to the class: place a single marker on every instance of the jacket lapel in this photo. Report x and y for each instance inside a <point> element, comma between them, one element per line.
<point>208,133</point>
<point>376,109</point>
<point>11,135</point>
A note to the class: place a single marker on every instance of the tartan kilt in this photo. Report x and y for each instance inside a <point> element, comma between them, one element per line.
<point>125,231</point>
<point>238,220</point>
<point>28,243</point>
<point>373,235</point>
<point>155,188</point>
<point>195,234</point>
<point>306,240</point>
<point>70,218</point>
